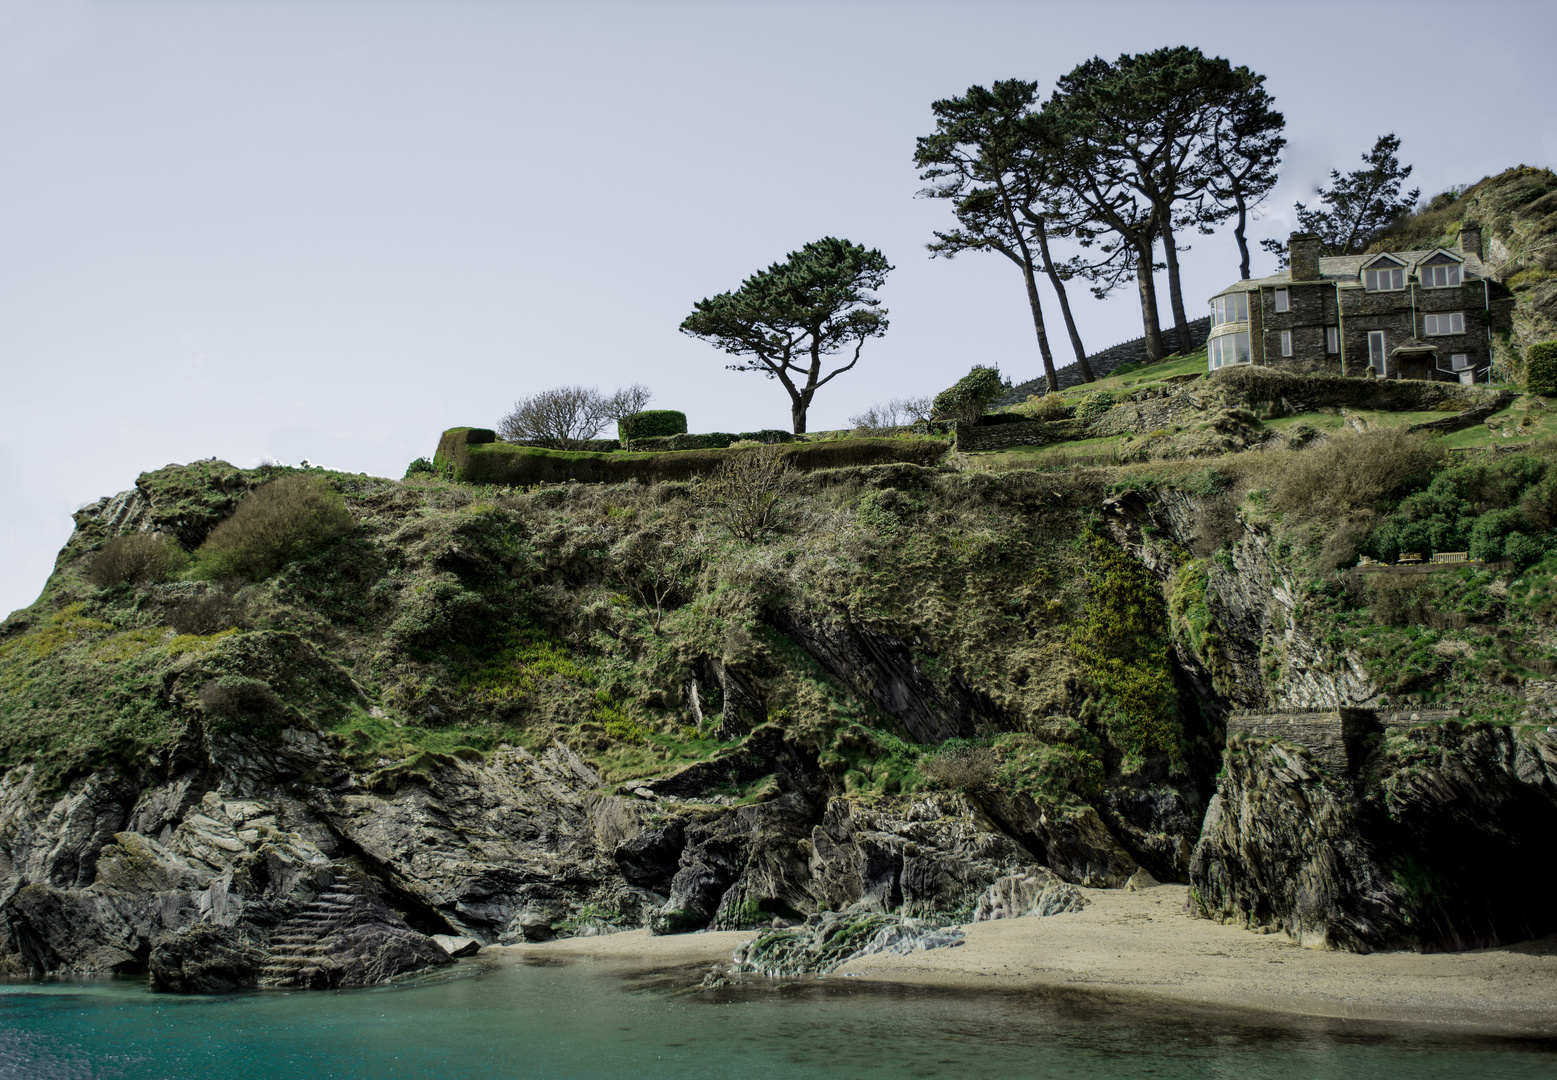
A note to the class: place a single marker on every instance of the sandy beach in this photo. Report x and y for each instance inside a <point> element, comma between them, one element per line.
<point>1141,943</point>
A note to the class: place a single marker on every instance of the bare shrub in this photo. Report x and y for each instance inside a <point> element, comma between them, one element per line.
<point>205,614</point>
<point>962,767</point>
<point>137,557</point>
<point>899,412</point>
<point>750,494</point>
<point>568,417</point>
<point>282,521</point>
<point>235,705</point>
<point>1353,471</point>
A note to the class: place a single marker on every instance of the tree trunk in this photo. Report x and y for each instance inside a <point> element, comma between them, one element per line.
<point>1059,289</point>
<point>1051,380</point>
<point>1175,290</point>
<point>1238,233</point>
<point>797,416</point>
<point>1155,349</point>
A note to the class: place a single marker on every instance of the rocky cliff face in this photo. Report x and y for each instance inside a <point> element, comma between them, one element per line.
<point>578,710</point>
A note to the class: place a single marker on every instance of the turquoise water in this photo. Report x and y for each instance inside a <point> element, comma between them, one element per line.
<point>591,1021</point>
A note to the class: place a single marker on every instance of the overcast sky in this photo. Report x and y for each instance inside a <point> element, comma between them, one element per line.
<point>328,230</point>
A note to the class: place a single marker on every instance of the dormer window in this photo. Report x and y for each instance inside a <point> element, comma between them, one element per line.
<point>1384,278</point>
<point>1233,308</point>
<point>1441,275</point>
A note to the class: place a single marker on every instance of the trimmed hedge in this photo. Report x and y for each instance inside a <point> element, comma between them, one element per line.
<point>654,424</point>
<point>520,466</point>
<point>1541,368</point>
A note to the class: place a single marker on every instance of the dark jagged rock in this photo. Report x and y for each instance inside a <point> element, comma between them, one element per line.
<point>881,669</point>
<point>1075,844</point>
<point>831,939</point>
<point>205,959</point>
<point>1036,892</point>
<point>346,939</point>
<point>1415,853</point>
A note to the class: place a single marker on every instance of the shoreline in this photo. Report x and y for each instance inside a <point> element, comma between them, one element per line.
<point>1142,945</point>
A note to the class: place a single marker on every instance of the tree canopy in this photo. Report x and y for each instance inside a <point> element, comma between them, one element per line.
<point>985,158</point>
<point>785,320</point>
<point>1359,207</point>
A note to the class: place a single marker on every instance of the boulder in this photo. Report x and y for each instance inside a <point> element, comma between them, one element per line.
<point>1034,892</point>
<point>457,947</point>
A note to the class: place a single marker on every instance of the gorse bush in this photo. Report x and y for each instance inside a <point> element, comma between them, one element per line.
<point>280,522</point>
<point>1541,368</point>
<point>205,614</point>
<point>1094,404</point>
<point>970,397</point>
<point>137,557</point>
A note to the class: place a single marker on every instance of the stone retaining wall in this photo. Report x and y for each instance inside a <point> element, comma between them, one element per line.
<point>1335,739</point>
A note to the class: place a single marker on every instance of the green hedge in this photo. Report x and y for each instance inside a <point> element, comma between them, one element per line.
<point>505,463</point>
<point>1541,368</point>
<point>653,424</point>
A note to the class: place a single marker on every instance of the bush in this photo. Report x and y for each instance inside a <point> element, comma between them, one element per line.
<point>569,417</point>
<point>970,397</point>
<point>282,521</point>
<point>205,614</point>
<point>1045,407</point>
<point>137,557</point>
<point>899,412</point>
<point>1094,404</point>
<point>1541,368</point>
<point>420,465</point>
<point>767,436</point>
<point>235,705</point>
<point>1354,471</point>
<point>751,494</point>
<point>960,767</point>
<point>652,424</point>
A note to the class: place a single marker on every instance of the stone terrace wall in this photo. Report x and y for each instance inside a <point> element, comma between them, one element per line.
<point>1106,360</point>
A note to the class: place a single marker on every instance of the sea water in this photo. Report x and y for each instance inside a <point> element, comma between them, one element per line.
<point>503,1017</point>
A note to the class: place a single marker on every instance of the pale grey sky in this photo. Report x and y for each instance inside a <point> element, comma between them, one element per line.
<point>330,229</point>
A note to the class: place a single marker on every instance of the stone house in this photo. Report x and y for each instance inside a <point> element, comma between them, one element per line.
<point>1391,315</point>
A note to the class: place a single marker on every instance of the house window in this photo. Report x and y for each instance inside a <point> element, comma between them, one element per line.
<point>1384,279</point>
<point>1332,339</point>
<point>1459,362</point>
<point>1286,342</point>
<point>1227,350</point>
<point>1283,300</point>
<point>1442,276</point>
<point>1449,323</point>
<point>1226,309</point>
<point>1376,351</point>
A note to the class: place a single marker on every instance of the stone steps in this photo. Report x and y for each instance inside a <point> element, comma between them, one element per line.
<point>294,948</point>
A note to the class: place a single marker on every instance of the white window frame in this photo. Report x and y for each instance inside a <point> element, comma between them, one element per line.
<point>1286,343</point>
<point>1459,362</point>
<point>1228,350</point>
<point>1332,340</point>
<point>1396,282</point>
<point>1378,356</point>
<point>1449,272</point>
<point>1235,303</point>
<point>1443,324</point>
<point>1283,300</point>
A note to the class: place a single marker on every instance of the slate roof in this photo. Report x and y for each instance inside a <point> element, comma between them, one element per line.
<point>1346,269</point>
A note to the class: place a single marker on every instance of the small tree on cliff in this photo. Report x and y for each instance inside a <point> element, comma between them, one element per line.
<point>786,319</point>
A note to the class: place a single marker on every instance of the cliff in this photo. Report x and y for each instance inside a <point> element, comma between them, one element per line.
<point>511,715</point>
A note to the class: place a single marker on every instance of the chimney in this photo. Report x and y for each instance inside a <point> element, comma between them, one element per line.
<point>1470,239</point>
<point>1303,255</point>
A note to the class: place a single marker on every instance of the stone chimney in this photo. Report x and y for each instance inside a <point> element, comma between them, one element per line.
<point>1303,255</point>
<point>1470,239</point>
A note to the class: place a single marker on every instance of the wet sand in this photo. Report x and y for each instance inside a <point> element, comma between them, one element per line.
<point>1142,943</point>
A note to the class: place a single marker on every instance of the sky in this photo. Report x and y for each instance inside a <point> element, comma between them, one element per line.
<point>327,230</point>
